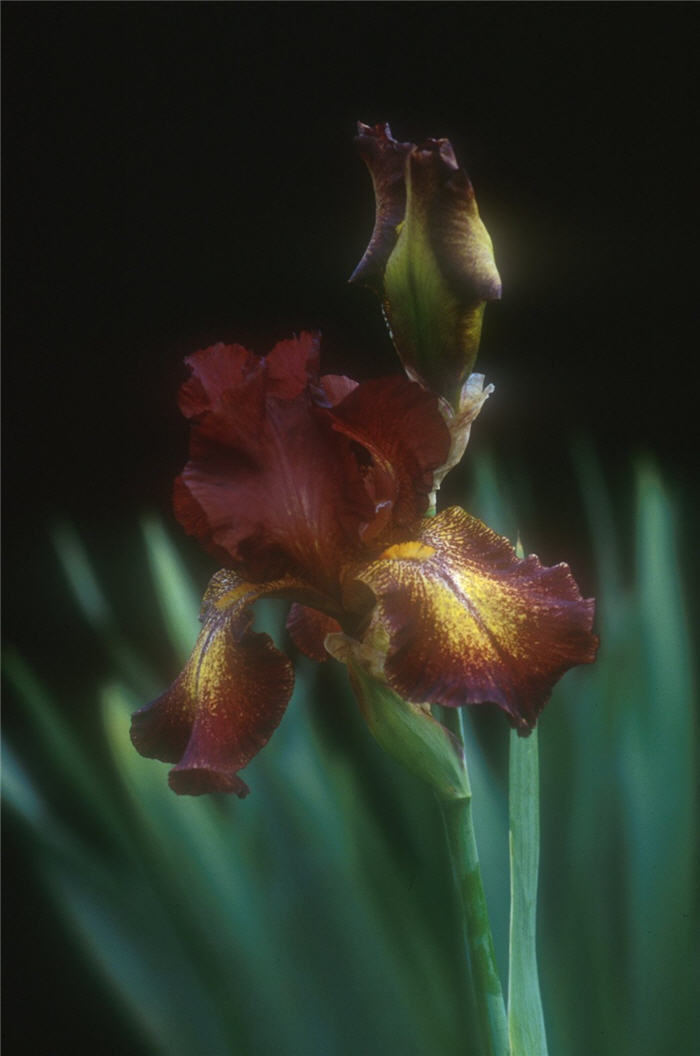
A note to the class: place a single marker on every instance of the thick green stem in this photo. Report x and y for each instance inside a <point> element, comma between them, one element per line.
<point>461,839</point>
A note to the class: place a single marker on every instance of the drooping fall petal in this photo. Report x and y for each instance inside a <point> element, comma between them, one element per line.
<point>468,622</point>
<point>227,702</point>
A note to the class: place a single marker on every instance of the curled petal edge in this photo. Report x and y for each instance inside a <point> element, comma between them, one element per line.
<point>460,619</point>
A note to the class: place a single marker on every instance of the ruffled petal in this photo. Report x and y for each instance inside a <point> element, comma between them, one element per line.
<point>468,622</point>
<point>308,629</point>
<point>270,487</point>
<point>295,474</point>
<point>228,700</point>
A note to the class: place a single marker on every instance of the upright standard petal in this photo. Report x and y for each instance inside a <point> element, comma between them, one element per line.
<point>405,440</point>
<point>269,488</point>
<point>227,702</point>
<point>294,474</point>
<point>467,622</point>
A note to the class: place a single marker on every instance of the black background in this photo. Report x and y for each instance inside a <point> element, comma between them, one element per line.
<point>177,174</point>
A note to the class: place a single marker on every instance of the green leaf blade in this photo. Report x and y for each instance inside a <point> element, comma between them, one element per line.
<point>525,1017</point>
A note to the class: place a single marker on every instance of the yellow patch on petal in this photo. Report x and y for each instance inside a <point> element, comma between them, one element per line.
<point>229,698</point>
<point>414,551</point>
<point>470,622</point>
<point>228,599</point>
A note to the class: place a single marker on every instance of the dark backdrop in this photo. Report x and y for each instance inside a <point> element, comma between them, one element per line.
<point>179,174</point>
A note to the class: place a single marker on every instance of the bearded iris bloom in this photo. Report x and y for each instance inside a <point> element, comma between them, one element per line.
<point>315,489</point>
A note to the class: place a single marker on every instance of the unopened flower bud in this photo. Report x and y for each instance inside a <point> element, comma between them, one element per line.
<point>430,258</point>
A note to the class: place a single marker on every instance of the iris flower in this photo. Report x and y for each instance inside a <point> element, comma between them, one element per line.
<point>316,489</point>
<point>321,490</point>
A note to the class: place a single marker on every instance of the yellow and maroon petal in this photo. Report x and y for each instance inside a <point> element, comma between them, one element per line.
<point>228,700</point>
<point>469,622</point>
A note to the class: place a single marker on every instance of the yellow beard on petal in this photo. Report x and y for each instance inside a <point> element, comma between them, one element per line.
<point>466,621</point>
<point>414,551</point>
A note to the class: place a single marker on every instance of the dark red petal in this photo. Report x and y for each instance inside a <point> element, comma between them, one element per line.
<point>227,702</point>
<point>308,628</point>
<point>290,364</point>
<point>385,158</point>
<point>401,427</point>
<point>194,520</point>
<point>269,484</point>
<point>468,622</point>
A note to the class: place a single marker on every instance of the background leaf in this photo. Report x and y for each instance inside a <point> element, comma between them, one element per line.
<point>319,915</point>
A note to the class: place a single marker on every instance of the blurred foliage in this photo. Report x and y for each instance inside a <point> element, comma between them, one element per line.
<point>318,916</point>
